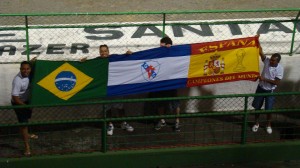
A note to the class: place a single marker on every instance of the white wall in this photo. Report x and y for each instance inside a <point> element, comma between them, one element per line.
<point>8,72</point>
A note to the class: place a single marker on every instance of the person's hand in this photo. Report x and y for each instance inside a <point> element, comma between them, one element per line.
<point>260,50</point>
<point>257,35</point>
<point>128,52</point>
<point>259,46</point>
<point>83,59</point>
<point>33,59</point>
<point>261,78</point>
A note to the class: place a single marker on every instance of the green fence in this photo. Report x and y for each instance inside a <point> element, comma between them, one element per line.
<point>209,124</point>
<point>215,121</point>
<point>72,36</point>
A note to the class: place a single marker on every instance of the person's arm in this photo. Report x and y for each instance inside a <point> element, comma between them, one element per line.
<point>83,59</point>
<point>262,55</point>
<point>274,82</point>
<point>32,61</point>
<point>17,100</point>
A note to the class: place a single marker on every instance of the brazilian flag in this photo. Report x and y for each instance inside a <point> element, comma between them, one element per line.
<point>57,82</point>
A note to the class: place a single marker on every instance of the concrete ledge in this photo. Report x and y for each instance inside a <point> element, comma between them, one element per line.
<point>164,157</point>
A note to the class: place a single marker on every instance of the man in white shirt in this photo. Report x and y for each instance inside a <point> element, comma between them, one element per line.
<point>270,78</point>
<point>20,96</point>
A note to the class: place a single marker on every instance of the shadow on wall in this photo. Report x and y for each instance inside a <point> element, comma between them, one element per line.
<point>297,49</point>
<point>193,105</point>
<point>187,106</point>
<point>290,101</point>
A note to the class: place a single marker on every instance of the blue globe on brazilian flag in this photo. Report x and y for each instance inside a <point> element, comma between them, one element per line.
<point>65,81</point>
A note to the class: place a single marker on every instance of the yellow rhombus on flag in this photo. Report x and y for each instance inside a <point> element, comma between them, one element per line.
<point>65,81</point>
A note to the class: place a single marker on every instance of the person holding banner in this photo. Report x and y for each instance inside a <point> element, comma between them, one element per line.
<point>270,78</point>
<point>172,105</point>
<point>20,96</point>
<point>109,108</point>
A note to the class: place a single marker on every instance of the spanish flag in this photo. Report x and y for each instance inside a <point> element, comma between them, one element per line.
<point>223,61</point>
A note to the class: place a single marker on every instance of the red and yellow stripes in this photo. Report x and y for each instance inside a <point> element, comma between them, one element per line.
<point>223,61</point>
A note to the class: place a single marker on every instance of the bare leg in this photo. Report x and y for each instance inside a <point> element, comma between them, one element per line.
<point>121,113</point>
<point>25,136</point>
<point>256,119</point>
<point>177,113</point>
<point>161,111</point>
<point>256,125</point>
<point>177,125</point>
<point>162,122</point>
<point>269,118</point>
<point>109,115</point>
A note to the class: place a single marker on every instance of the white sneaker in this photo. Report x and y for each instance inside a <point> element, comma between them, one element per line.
<point>255,127</point>
<point>127,127</point>
<point>177,127</point>
<point>269,130</point>
<point>110,129</point>
<point>159,125</point>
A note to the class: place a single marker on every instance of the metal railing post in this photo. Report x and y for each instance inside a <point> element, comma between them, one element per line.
<point>27,38</point>
<point>294,32</point>
<point>164,25</point>
<point>104,123</point>
<point>245,120</point>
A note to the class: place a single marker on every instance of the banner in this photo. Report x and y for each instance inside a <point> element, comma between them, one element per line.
<point>224,61</point>
<point>59,82</point>
<point>146,71</point>
<point>184,66</point>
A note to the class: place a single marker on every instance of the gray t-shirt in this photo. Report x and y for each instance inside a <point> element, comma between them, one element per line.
<point>271,73</point>
<point>20,87</point>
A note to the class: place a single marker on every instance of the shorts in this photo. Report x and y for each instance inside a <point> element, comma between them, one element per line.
<point>23,114</point>
<point>259,100</point>
<point>173,104</point>
<point>118,106</point>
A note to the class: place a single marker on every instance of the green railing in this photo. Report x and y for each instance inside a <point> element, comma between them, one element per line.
<point>210,124</point>
<point>229,121</point>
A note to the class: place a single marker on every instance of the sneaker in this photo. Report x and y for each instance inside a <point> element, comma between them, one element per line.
<point>269,130</point>
<point>127,127</point>
<point>110,129</point>
<point>177,127</point>
<point>255,127</point>
<point>159,125</point>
